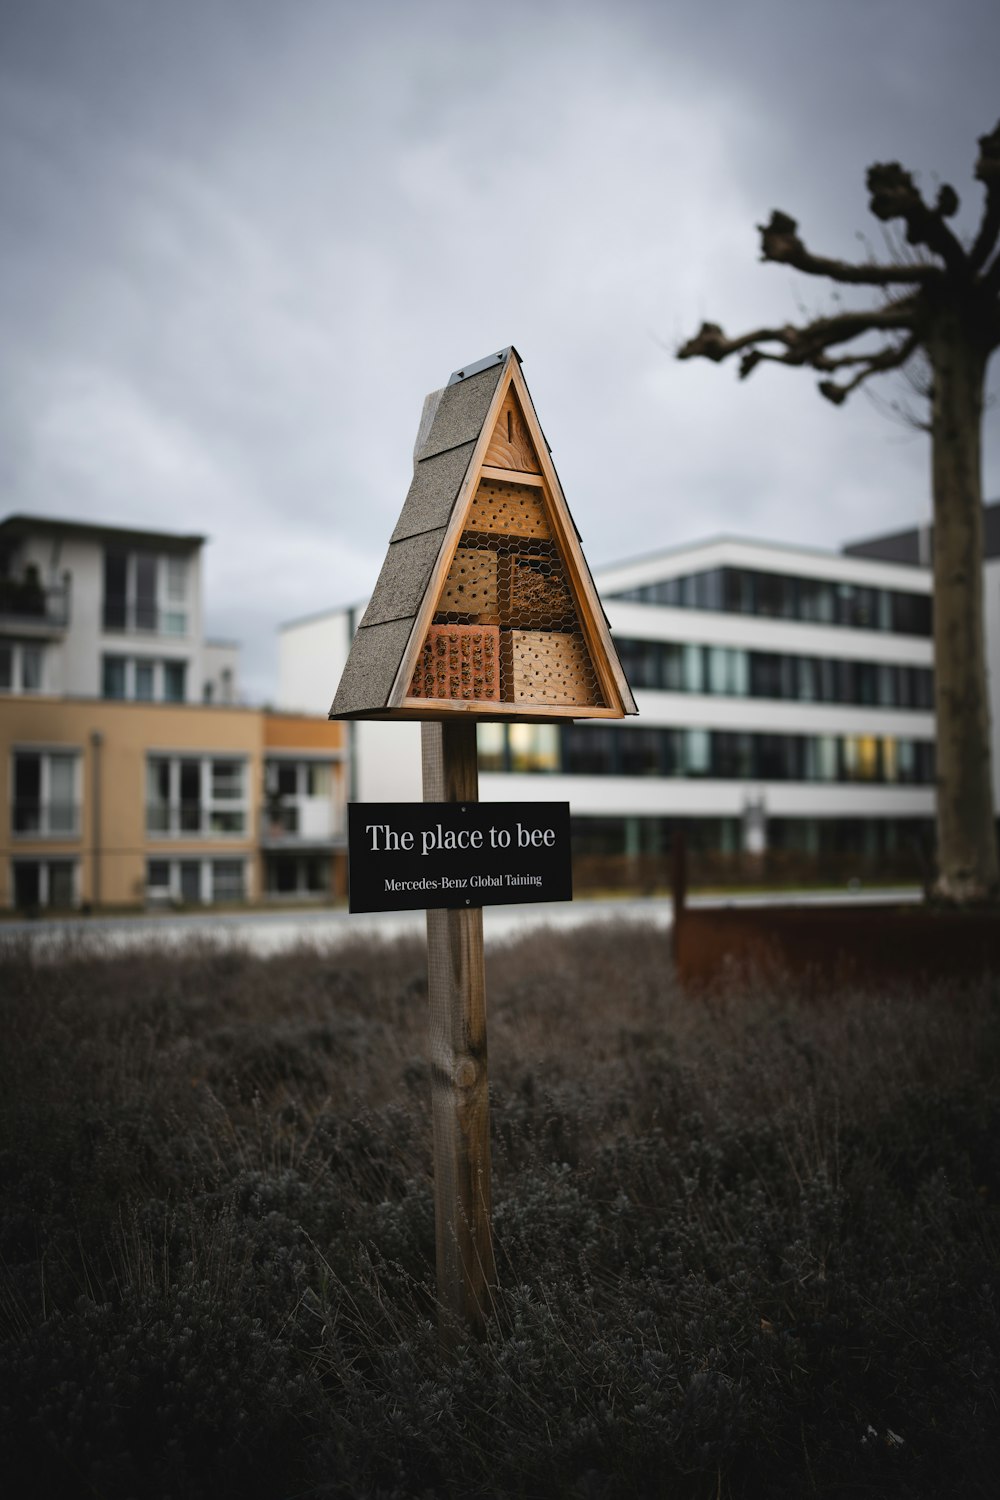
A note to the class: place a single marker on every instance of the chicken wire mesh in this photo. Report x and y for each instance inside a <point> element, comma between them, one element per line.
<point>506,628</point>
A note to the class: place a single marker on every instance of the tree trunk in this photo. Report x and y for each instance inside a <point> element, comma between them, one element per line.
<point>966,834</point>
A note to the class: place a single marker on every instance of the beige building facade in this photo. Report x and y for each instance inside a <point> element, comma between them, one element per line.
<point>107,804</point>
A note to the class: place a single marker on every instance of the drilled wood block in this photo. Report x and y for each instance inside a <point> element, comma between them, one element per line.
<point>551,666</point>
<point>471,585</point>
<point>508,510</point>
<point>459,661</point>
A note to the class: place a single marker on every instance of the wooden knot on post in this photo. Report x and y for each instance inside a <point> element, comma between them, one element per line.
<point>466,1074</point>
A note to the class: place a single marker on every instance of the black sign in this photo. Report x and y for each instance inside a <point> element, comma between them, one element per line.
<point>406,855</point>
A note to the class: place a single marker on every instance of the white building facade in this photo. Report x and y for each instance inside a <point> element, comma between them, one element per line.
<point>785,703</point>
<point>107,612</point>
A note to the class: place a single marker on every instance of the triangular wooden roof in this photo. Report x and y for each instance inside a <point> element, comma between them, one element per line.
<point>479,444</point>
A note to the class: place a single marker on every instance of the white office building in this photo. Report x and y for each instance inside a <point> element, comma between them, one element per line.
<point>785,702</point>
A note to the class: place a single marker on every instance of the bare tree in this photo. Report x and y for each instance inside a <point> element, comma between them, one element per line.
<point>939,303</point>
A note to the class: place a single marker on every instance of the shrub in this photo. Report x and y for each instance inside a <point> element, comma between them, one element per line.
<point>746,1245</point>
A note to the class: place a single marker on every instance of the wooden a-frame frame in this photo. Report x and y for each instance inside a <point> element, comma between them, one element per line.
<point>439,554</point>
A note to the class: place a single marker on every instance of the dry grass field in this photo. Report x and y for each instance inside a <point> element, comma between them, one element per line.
<point>748,1245</point>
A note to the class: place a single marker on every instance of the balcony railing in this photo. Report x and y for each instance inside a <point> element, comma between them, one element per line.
<point>301,821</point>
<point>194,818</point>
<point>23,601</point>
<point>143,615</point>
<point>45,819</point>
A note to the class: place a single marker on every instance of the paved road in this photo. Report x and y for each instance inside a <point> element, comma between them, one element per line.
<point>272,931</point>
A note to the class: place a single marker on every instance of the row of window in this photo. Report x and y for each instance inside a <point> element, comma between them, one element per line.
<point>686,667</point>
<point>725,755</point>
<point>55,883</point>
<point>196,882</point>
<point>145,591</point>
<point>870,837</point>
<point>143,679</point>
<point>782,596</point>
<point>185,794</point>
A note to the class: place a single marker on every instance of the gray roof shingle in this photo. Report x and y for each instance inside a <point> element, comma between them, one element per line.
<point>461,411</point>
<point>435,485</point>
<point>371,668</point>
<point>403,581</point>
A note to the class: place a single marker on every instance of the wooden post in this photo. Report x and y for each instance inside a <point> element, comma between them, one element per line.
<point>456,986</point>
<point>679,880</point>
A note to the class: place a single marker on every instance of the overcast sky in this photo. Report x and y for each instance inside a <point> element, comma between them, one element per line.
<point>241,239</point>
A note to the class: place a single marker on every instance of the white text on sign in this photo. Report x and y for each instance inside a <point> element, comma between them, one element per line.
<point>384,839</point>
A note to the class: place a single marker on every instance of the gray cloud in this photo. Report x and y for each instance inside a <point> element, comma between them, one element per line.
<point>240,241</point>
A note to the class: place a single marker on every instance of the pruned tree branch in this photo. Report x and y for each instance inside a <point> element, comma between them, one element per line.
<point>802,346</point>
<point>966,282</point>
<point>780,242</point>
<point>988,173</point>
<point>892,357</point>
<point>894,195</point>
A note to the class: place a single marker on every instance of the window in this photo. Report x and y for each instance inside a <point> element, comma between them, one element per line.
<point>673,673</point>
<point>861,757</point>
<point>491,740</point>
<point>226,813</point>
<point>145,591</point>
<point>174,674</point>
<point>113,670</point>
<point>718,669</point>
<point>44,882</point>
<point>911,613</point>
<point>641,753</point>
<point>189,780</point>
<point>816,600</point>
<point>821,758</point>
<point>534,747</point>
<point>589,750</point>
<point>22,665</point>
<point>144,572</point>
<point>733,755</point>
<point>31,668</point>
<point>697,748</point>
<point>45,800</point>
<point>175,615</point>
<point>890,760</point>
<point>693,678</point>
<point>189,881</point>
<point>299,875</point>
<point>195,795</point>
<point>227,780</point>
<point>115,589</point>
<point>144,681</point>
<point>227,880</point>
<point>319,777</point>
